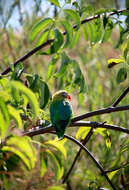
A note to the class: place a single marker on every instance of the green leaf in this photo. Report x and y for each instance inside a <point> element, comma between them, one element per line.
<point>82,132</point>
<point>58,41</point>
<point>85,32</point>
<point>75,39</point>
<point>34,81</point>
<point>55,187</point>
<point>39,86</point>
<point>82,84</point>
<point>108,140</point>
<point>4,82</point>
<point>15,115</point>
<point>4,118</point>
<point>73,14</point>
<point>58,145</point>
<point>59,169</point>
<point>18,70</point>
<point>51,66</point>
<point>126,50</point>
<point>121,75</point>
<point>45,94</point>
<point>18,153</point>
<point>38,27</point>
<point>43,165</point>
<point>5,112</point>
<point>2,125</point>
<point>123,32</point>
<point>5,95</point>
<point>55,2</point>
<point>15,95</point>
<point>113,62</point>
<point>22,147</point>
<point>69,33</point>
<point>111,174</point>
<point>43,37</point>
<point>108,30</point>
<point>74,3</point>
<point>89,30</point>
<point>64,63</point>
<point>98,30</point>
<point>29,94</point>
<point>78,76</point>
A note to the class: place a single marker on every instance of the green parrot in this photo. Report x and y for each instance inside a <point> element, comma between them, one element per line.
<point>60,112</point>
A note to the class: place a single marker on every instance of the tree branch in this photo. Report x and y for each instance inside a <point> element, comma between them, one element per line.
<point>43,130</point>
<point>99,125</point>
<point>39,131</point>
<point>100,112</point>
<point>95,125</point>
<point>118,168</point>
<point>121,97</point>
<point>77,155</point>
<point>48,42</point>
<point>49,128</point>
<point>93,158</point>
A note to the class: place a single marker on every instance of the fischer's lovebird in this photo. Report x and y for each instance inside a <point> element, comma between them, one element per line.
<point>60,112</point>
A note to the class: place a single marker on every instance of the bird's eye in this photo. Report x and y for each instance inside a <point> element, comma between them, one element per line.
<point>65,95</point>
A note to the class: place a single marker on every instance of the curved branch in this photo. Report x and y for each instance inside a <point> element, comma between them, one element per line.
<point>93,158</point>
<point>95,125</point>
<point>78,154</point>
<point>48,42</point>
<point>100,112</point>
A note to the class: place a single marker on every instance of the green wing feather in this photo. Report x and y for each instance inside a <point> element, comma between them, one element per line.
<point>60,114</point>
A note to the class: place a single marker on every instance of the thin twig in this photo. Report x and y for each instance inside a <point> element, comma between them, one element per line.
<point>118,168</point>
<point>100,112</point>
<point>77,155</point>
<point>48,42</point>
<point>121,97</point>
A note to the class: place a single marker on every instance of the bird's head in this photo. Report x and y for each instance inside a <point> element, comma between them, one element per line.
<point>61,95</point>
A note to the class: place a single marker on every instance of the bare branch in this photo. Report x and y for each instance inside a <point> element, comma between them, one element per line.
<point>100,112</point>
<point>121,97</point>
<point>39,131</point>
<point>118,168</point>
<point>92,124</point>
<point>99,125</point>
<point>77,155</point>
<point>93,158</point>
<point>48,42</point>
